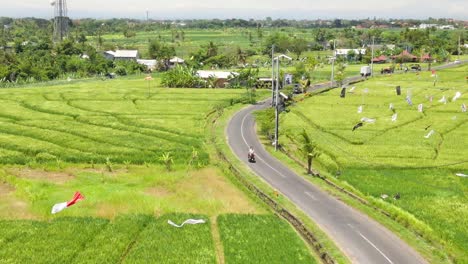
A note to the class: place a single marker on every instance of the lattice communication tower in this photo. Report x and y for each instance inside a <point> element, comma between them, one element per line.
<point>61,19</point>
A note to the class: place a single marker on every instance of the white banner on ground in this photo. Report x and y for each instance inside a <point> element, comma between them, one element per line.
<point>430,134</point>
<point>188,222</point>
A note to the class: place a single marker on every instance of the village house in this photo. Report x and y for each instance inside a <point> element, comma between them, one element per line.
<point>150,64</point>
<point>122,55</point>
<point>345,52</point>
<point>220,78</point>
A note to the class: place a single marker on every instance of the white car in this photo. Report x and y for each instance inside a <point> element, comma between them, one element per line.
<point>456,61</point>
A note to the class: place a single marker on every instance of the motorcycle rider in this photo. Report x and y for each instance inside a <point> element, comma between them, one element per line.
<point>251,152</point>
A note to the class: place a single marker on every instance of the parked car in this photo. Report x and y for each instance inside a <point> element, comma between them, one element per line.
<point>386,70</point>
<point>415,67</point>
<point>365,71</point>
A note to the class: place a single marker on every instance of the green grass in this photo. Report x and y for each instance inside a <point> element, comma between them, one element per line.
<point>394,157</point>
<point>111,244</point>
<point>84,122</point>
<point>146,239</point>
<point>39,242</point>
<point>261,239</point>
<point>160,242</point>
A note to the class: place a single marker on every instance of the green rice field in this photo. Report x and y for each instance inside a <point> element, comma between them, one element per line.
<point>126,120</point>
<point>396,157</point>
<point>146,239</point>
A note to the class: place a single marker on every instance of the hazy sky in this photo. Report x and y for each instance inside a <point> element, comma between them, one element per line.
<point>294,9</point>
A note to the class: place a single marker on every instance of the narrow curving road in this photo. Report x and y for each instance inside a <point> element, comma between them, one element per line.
<point>363,240</point>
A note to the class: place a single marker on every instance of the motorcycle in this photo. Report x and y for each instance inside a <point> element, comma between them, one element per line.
<point>251,157</point>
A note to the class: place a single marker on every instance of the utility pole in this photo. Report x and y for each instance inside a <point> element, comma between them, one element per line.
<point>277,104</point>
<point>459,44</point>
<point>333,64</point>
<point>272,75</point>
<point>372,57</point>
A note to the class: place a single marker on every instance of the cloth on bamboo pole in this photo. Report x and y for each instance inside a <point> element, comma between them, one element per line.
<point>443,100</point>
<point>358,125</point>
<point>408,100</point>
<point>367,120</point>
<point>61,206</point>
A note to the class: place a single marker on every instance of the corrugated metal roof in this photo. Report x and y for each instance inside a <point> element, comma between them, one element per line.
<point>123,53</point>
<point>149,63</point>
<point>177,60</point>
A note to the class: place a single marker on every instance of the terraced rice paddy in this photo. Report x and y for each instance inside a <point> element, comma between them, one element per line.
<point>399,157</point>
<point>92,121</point>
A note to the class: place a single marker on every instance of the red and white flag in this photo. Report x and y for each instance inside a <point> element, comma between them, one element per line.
<point>61,206</point>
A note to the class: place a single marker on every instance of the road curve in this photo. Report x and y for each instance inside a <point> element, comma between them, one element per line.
<point>362,240</point>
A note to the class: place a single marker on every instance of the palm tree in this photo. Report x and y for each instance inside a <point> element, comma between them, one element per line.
<point>308,149</point>
<point>240,55</point>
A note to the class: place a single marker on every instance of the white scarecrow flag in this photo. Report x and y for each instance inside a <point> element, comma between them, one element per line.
<point>189,222</point>
<point>391,107</point>
<point>408,99</point>
<point>430,134</point>
<point>443,100</point>
<point>462,175</point>
<point>420,108</point>
<point>359,109</point>
<point>463,107</point>
<point>394,117</point>
<point>61,206</point>
<point>457,95</point>
<point>367,120</point>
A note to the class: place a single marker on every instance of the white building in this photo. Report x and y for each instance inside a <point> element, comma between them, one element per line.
<point>344,52</point>
<point>221,78</point>
<point>150,64</point>
<point>122,55</point>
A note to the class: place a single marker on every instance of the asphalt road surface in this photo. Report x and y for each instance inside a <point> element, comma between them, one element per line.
<point>362,240</point>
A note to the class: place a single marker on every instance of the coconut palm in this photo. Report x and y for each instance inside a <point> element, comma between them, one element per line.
<point>308,149</point>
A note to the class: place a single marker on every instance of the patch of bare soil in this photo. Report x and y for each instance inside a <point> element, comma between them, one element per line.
<point>105,171</point>
<point>159,192</point>
<point>12,207</point>
<point>210,185</point>
<point>49,176</point>
<point>5,189</point>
